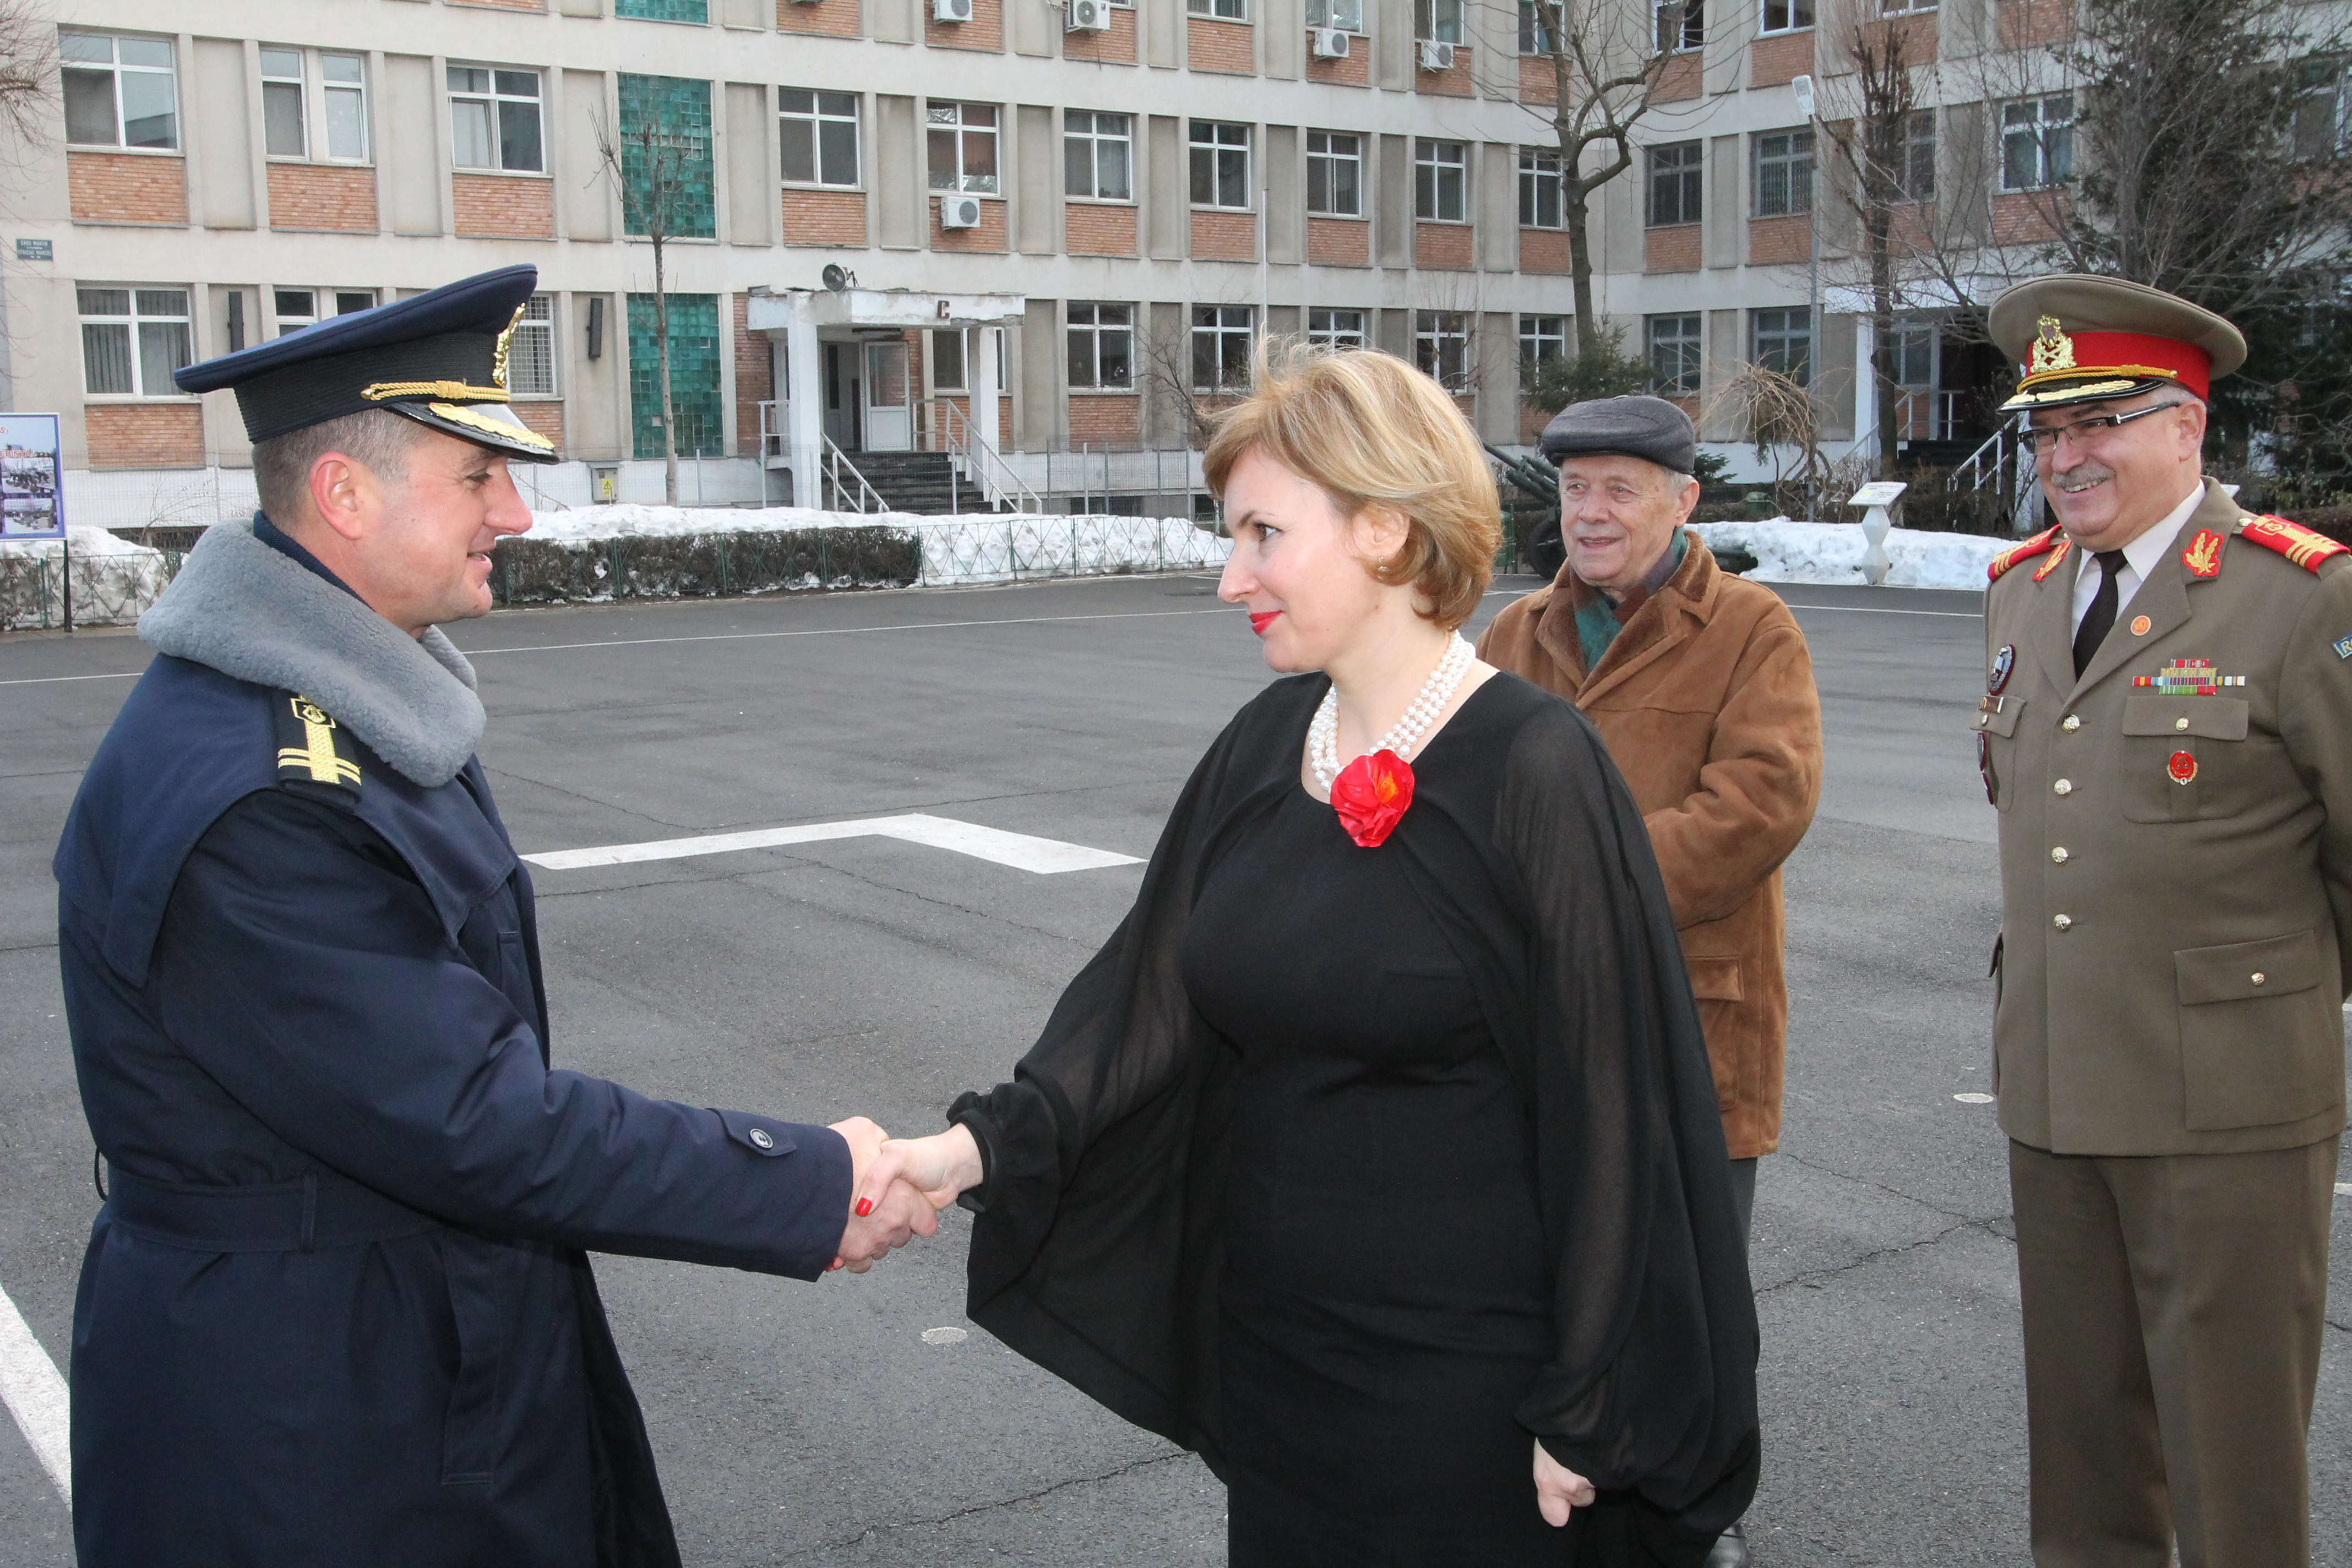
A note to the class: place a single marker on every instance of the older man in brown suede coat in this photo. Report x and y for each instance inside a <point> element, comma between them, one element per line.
<point>1702,686</point>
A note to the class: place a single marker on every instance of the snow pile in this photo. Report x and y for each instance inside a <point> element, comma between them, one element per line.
<point>625,521</point>
<point>113,580</point>
<point>1792,552</point>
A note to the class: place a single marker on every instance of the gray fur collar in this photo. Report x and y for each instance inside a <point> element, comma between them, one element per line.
<point>258,615</point>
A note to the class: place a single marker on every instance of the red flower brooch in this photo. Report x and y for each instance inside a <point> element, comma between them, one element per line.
<point>1370,794</point>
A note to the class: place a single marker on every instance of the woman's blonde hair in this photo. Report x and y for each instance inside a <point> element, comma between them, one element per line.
<point>1371,430</point>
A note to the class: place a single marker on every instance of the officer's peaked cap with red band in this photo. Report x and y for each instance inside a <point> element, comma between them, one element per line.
<point>2086,339</point>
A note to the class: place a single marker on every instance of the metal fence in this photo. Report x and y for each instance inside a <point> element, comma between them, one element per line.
<point>108,590</point>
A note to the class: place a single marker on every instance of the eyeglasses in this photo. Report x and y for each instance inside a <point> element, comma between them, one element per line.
<point>2044,440</point>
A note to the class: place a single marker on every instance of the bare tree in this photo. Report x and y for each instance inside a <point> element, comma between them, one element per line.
<point>1784,424</point>
<point>28,68</point>
<point>1873,178</point>
<point>650,165</point>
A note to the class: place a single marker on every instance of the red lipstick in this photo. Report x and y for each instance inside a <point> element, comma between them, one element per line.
<point>1258,622</point>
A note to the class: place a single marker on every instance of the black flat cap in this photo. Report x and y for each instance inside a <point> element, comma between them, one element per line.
<point>1637,426</point>
<point>439,358</point>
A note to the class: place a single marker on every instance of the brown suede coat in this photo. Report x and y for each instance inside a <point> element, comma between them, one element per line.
<point>1706,702</point>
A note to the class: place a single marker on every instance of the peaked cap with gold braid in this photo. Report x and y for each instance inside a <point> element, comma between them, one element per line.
<point>2084,339</point>
<point>439,358</point>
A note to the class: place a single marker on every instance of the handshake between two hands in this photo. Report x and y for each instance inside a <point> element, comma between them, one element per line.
<point>898,1187</point>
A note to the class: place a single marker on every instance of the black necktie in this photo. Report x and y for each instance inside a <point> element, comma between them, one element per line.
<point>2100,618</point>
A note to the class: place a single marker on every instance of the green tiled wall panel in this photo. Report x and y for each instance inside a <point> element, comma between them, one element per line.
<point>693,376</point>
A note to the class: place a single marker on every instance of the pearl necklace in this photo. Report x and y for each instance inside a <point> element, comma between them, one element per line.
<point>1323,734</point>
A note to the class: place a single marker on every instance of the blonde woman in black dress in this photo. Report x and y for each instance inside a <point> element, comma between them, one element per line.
<point>1375,1156</point>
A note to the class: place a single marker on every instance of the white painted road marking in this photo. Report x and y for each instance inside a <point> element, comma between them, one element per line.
<point>948,1336</point>
<point>1019,851</point>
<point>36,1395</point>
<point>1973,1099</point>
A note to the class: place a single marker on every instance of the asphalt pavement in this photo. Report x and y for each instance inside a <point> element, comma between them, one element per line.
<point>862,1420</point>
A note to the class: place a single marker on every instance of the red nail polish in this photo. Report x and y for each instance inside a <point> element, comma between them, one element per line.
<point>865,1208</point>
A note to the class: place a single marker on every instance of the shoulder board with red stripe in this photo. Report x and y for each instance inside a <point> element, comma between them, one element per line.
<point>2038,544</point>
<point>2299,544</point>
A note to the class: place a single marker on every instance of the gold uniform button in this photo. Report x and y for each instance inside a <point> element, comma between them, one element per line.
<point>2258,978</point>
<point>2063,922</point>
<point>2064,786</point>
<point>2073,723</point>
<point>2181,724</point>
<point>2058,855</point>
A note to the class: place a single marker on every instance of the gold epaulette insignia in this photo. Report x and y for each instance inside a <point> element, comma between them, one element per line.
<point>2306,548</point>
<point>311,745</point>
<point>2026,552</point>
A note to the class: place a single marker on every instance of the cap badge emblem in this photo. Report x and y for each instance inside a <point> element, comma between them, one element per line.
<point>2182,767</point>
<point>2053,349</point>
<point>506,341</point>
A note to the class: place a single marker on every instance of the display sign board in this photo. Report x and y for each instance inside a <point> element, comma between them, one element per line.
<point>1879,492</point>
<point>31,478</point>
<point>35,250</point>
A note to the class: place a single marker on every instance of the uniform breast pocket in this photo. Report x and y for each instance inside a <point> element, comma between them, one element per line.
<point>2187,758</point>
<point>1996,727</point>
<point>2262,1042</point>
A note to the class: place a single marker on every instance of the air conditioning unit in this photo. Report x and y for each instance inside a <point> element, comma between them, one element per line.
<point>958,212</point>
<point>951,10</point>
<point>1088,16</point>
<point>1330,43</point>
<point>1435,56</point>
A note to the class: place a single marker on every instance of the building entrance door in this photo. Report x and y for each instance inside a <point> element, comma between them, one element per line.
<point>889,393</point>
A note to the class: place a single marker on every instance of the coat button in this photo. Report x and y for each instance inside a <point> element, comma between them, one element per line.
<point>2258,978</point>
<point>2063,922</point>
<point>2058,855</point>
<point>2064,786</point>
<point>760,1138</point>
<point>2181,724</point>
<point>2073,723</point>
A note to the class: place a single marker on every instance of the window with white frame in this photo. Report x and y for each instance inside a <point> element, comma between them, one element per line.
<point>817,137</point>
<point>1674,344</point>
<point>2037,143</point>
<point>1098,155</point>
<point>1441,347</point>
<point>119,91</point>
<point>530,352</point>
<point>1677,173</point>
<point>1441,177</point>
<point>1437,21</point>
<point>962,147</point>
<point>1336,328</point>
<point>132,339</point>
<point>1221,347</point>
<point>299,86</point>
<point>1539,23</point>
<point>1904,8</point>
<point>2320,118</point>
<point>1906,355</point>
<point>1540,188</point>
<point>1348,16</point>
<point>951,354</point>
<point>299,308</point>
<point>494,120</point>
<point>1102,347</point>
<point>1221,164</point>
<point>1783,340</point>
<point>1224,10</point>
<point>1915,158</point>
<point>1542,338</point>
<point>1784,173</point>
<point>1681,25</point>
<point>1335,174</point>
<point>1785,15</point>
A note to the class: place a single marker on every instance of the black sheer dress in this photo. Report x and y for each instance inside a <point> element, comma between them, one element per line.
<point>1354,1169</point>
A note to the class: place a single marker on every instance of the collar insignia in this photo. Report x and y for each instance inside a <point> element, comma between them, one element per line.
<point>2203,556</point>
<point>2057,555</point>
<point>311,745</point>
<point>2053,349</point>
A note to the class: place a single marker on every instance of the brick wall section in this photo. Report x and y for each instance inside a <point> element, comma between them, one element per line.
<point>1114,45</point>
<point>1224,236</point>
<point>824,217</point>
<point>2033,24</point>
<point>1443,245</point>
<point>322,197</point>
<point>127,188</point>
<point>1356,70</point>
<point>502,206</point>
<point>1455,83</point>
<point>1674,249</point>
<point>1782,57</point>
<point>1105,418</point>
<point>754,379</point>
<point>145,434</point>
<point>984,31</point>
<point>546,416</point>
<point>1338,242</point>
<point>831,18</point>
<point>1094,228</point>
<point>1536,82</point>
<point>1918,33</point>
<point>1680,78</point>
<point>1778,241</point>
<point>988,236</point>
<point>1543,250</point>
<point>1211,45</point>
<point>1532,421</point>
<point>2022,217</point>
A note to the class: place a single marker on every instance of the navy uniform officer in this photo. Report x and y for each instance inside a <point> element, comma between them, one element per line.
<point>337,1308</point>
<point>2168,736</point>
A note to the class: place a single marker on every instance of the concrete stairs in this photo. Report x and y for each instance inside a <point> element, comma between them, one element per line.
<point>921,482</point>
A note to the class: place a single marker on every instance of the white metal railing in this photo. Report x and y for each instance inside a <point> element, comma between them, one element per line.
<point>1927,415</point>
<point>865,497</point>
<point>2004,465</point>
<point>772,439</point>
<point>950,429</point>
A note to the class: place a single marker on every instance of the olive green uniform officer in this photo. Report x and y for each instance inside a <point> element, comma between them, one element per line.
<point>2168,734</point>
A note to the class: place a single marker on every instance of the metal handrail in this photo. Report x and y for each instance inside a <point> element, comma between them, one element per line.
<point>865,497</point>
<point>2004,464</point>
<point>1929,414</point>
<point>981,463</point>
